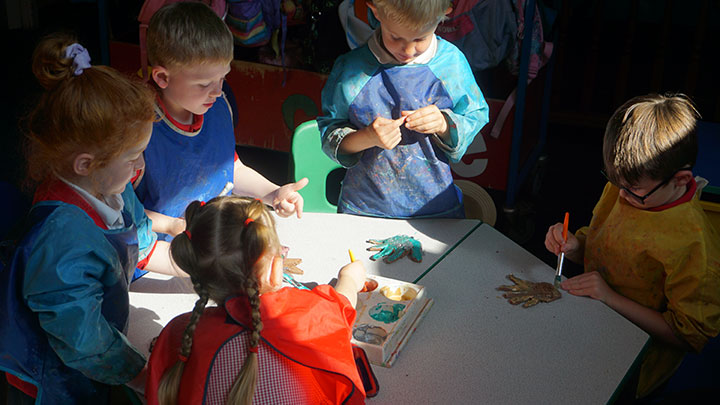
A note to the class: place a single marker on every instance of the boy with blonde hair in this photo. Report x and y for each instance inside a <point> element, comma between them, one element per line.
<point>396,112</point>
<point>650,252</point>
<point>191,155</point>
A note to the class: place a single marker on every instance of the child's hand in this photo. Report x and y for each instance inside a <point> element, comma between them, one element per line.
<point>426,120</point>
<point>385,133</point>
<point>286,200</point>
<point>589,285</point>
<point>555,244</point>
<point>354,272</point>
<point>350,280</point>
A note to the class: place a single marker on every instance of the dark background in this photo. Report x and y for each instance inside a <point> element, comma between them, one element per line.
<point>607,52</point>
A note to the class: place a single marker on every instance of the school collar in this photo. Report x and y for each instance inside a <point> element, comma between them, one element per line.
<point>385,58</point>
<point>109,208</point>
<point>56,190</point>
<point>194,127</point>
<point>689,194</point>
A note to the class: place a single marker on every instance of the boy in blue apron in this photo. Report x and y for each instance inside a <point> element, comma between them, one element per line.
<point>397,110</point>
<point>191,155</point>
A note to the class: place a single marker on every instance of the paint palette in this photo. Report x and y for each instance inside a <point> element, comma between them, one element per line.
<point>388,311</point>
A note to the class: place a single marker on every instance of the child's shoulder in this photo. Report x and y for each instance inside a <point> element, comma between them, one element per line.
<point>360,56</point>
<point>449,55</point>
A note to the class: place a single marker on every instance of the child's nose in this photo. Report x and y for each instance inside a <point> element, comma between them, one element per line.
<point>409,49</point>
<point>216,90</point>
<point>140,162</point>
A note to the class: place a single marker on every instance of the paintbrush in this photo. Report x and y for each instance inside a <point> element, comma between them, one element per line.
<point>561,256</point>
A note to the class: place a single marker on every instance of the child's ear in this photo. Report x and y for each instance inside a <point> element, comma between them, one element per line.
<point>81,164</point>
<point>270,278</point>
<point>372,7</point>
<point>161,76</point>
<point>449,10</point>
<point>683,178</point>
<point>276,272</point>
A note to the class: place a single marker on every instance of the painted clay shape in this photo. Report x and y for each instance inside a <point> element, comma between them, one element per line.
<point>395,248</point>
<point>529,293</point>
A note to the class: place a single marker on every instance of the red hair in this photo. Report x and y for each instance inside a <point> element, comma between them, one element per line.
<point>99,111</point>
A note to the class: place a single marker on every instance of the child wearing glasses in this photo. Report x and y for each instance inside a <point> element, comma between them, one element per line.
<point>650,252</point>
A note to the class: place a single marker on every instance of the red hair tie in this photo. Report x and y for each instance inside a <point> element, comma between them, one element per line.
<point>254,349</point>
<point>182,358</point>
<point>187,233</point>
<point>202,203</point>
<point>247,221</point>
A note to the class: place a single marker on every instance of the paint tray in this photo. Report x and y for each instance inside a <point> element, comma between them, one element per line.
<point>388,311</point>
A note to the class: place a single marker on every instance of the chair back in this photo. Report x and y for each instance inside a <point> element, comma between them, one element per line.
<point>310,161</point>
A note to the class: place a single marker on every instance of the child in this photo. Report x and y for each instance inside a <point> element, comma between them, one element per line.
<point>262,344</point>
<point>650,252</point>
<point>65,311</point>
<point>191,155</point>
<point>397,110</point>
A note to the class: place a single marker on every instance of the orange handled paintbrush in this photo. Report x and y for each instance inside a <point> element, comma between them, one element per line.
<point>561,256</point>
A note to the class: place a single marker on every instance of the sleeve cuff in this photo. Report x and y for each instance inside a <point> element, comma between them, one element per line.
<point>450,148</point>
<point>331,146</point>
<point>142,263</point>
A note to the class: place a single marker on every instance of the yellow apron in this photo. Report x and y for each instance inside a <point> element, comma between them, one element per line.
<point>666,260</point>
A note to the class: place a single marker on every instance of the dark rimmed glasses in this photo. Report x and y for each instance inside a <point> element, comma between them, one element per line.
<point>642,198</point>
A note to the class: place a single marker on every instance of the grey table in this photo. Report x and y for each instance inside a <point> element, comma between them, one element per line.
<point>322,242</point>
<point>474,347</point>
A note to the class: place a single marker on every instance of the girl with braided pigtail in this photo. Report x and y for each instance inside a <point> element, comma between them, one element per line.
<point>262,343</point>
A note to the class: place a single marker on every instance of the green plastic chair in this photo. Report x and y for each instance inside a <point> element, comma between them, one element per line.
<point>310,161</point>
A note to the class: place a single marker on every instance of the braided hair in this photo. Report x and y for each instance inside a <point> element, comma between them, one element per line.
<point>226,240</point>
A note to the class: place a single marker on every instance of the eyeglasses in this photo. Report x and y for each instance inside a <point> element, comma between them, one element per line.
<point>656,188</point>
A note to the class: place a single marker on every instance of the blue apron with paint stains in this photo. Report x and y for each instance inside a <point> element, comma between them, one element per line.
<point>180,169</point>
<point>414,178</point>
<point>25,351</point>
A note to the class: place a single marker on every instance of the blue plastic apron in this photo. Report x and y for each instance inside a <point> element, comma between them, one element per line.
<point>24,348</point>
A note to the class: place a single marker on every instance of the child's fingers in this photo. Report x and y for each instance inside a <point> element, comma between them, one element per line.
<point>398,122</point>
<point>284,208</point>
<point>299,203</point>
<point>553,238</point>
<point>298,185</point>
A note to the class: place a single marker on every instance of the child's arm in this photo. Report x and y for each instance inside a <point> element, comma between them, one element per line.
<point>162,223</point>
<point>160,261</point>
<point>593,285</point>
<point>285,200</point>
<point>574,248</point>
<point>351,280</point>
<point>383,133</point>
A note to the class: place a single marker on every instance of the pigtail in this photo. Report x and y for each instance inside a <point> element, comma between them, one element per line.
<point>170,381</point>
<point>243,388</point>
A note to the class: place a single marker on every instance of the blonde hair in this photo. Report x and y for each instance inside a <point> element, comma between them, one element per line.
<point>226,240</point>
<point>415,14</point>
<point>650,136</point>
<point>188,33</point>
<point>99,111</point>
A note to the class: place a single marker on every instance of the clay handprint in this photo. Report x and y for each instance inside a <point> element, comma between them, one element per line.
<point>395,248</point>
<point>528,293</point>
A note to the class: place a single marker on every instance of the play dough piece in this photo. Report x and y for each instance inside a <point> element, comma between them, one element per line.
<point>395,248</point>
<point>529,293</point>
<point>291,266</point>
